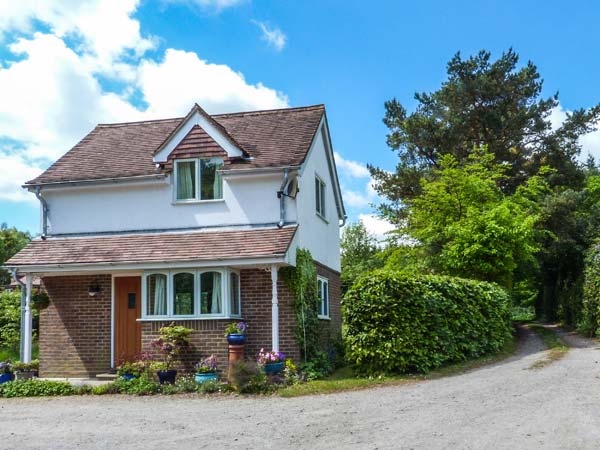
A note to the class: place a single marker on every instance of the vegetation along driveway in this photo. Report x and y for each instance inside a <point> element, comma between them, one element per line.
<point>509,405</point>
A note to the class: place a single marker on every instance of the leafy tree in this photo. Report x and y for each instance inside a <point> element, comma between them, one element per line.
<point>483,102</point>
<point>11,241</point>
<point>359,253</point>
<point>468,226</point>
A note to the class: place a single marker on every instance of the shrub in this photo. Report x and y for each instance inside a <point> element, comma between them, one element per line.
<point>588,323</point>
<point>318,367</point>
<point>137,386</point>
<point>36,388</point>
<point>402,323</point>
<point>248,378</point>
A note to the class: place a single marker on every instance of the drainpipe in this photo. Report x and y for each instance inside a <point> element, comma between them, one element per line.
<point>23,302</point>
<point>42,200</point>
<point>281,197</point>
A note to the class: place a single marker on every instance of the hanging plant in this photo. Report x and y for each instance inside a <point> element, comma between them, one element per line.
<point>302,281</point>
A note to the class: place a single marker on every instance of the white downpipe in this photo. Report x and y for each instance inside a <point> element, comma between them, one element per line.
<point>274,309</point>
<point>28,324</point>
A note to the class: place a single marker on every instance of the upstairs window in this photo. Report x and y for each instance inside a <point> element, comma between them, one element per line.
<point>198,179</point>
<point>320,196</point>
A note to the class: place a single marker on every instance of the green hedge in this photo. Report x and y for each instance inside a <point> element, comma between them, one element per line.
<point>397,322</point>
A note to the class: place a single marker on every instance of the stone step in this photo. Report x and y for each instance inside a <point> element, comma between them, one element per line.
<point>106,376</point>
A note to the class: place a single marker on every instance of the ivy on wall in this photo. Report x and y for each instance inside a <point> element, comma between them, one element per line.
<point>302,281</point>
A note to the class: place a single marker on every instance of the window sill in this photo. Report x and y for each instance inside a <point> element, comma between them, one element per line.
<point>322,217</point>
<point>179,319</point>
<point>196,202</point>
<point>323,317</point>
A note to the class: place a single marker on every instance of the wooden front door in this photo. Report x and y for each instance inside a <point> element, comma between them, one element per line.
<point>128,330</point>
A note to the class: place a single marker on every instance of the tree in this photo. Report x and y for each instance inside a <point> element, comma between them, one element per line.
<point>11,242</point>
<point>469,227</point>
<point>359,253</point>
<point>483,102</point>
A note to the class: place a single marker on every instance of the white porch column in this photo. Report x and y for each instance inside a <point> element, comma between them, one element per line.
<point>27,329</point>
<point>274,309</point>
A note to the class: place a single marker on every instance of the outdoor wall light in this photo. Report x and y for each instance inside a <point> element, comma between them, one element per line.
<point>94,289</point>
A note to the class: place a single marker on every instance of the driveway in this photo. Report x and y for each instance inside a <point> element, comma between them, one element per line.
<point>503,406</point>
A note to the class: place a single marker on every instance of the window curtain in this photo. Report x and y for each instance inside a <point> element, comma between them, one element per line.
<point>160,296</point>
<point>215,307</point>
<point>185,180</point>
<point>218,182</point>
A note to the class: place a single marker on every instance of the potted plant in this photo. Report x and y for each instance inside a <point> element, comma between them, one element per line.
<point>236,333</point>
<point>272,362</point>
<point>130,370</point>
<point>6,372</point>
<point>26,371</point>
<point>206,370</point>
<point>172,340</point>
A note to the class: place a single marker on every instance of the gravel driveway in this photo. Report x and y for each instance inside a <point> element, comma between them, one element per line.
<point>503,406</point>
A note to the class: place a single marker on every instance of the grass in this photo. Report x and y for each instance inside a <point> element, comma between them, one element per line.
<point>557,348</point>
<point>345,380</point>
<point>12,353</point>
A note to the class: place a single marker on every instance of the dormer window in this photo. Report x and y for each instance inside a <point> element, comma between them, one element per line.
<point>198,179</point>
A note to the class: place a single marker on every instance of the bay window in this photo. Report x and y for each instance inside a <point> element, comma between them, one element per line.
<point>188,294</point>
<point>198,179</point>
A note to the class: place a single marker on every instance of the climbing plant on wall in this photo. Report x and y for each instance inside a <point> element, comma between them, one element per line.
<point>302,281</point>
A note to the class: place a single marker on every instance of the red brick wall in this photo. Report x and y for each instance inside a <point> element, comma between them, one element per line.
<point>75,328</point>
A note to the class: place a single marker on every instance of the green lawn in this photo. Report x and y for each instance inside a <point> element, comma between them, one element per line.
<point>12,353</point>
<point>345,380</point>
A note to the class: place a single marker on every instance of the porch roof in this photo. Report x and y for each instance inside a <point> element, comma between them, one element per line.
<point>173,247</point>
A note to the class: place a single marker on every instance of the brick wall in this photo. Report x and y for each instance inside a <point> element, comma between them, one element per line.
<point>75,328</point>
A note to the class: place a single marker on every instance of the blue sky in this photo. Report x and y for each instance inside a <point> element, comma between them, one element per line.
<point>67,65</point>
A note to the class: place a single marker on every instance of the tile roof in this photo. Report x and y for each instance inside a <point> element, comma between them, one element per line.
<point>273,138</point>
<point>156,247</point>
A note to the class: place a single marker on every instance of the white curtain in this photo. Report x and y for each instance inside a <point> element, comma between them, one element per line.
<point>185,180</point>
<point>215,307</point>
<point>160,295</point>
<point>218,183</point>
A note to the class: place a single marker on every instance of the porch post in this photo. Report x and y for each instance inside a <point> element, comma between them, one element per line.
<point>274,309</point>
<point>28,324</point>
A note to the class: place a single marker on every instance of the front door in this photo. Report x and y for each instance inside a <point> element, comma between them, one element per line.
<point>128,330</point>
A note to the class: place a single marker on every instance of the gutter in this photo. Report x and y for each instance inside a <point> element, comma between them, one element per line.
<point>281,197</point>
<point>114,180</point>
<point>42,200</point>
<point>257,171</point>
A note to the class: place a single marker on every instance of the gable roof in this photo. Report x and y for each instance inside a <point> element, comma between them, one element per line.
<point>272,138</point>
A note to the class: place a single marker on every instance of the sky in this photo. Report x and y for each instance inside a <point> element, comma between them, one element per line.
<point>67,65</point>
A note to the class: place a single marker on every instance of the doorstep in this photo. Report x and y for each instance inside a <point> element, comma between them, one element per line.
<point>81,381</point>
<point>106,376</point>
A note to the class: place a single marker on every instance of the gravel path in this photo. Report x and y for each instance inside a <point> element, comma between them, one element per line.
<point>502,406</point>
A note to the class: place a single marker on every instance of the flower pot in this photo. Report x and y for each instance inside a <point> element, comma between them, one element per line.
<point>6,377</point>
<point>236,339</point>
<point>24,375</point>
<point>204,377</point>
<point>274,368</point>
<point>128,376</point>
<point>166,376</point>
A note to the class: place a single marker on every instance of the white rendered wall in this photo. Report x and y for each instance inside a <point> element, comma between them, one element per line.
<point>149,206</point>
<point>321,237</point>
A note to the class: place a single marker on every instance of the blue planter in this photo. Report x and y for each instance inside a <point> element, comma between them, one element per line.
<point>236,339</point>
<point>274,367</point>
<point>204,377</point>
<point>6,377</point>
<point>128,376</point>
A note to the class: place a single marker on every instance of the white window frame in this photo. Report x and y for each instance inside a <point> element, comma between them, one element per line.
<point>320,200</point>
<point>239,293</point>
<point>225,297</point>
<point>197,174</point>
<point>324,281</point>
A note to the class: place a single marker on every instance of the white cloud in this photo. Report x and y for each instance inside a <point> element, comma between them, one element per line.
<point>209,5</point>
<point>590,143</point>
<point>51,93</point>
<point>172,85</point>
<point>376,225</point>
<point>351,168</point>
<point>273,36</point>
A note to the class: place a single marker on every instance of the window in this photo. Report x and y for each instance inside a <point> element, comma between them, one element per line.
<point>234,294</point>
<point>183,294</point>
<point>198,179</point>
<point>201,293</point>
<point>320,196</point>
<point>323,292</point>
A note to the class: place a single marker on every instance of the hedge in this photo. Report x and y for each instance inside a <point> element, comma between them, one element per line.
<point>397,322</point>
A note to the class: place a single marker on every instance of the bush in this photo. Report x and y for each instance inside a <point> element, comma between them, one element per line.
<point>36,388</point>
<point>318,367</point>
<point>404,323</point>
<point>588,323</point>
<point>248,378</point>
